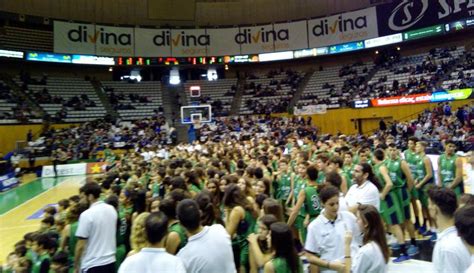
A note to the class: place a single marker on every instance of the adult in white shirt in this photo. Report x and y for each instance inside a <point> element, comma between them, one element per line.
<point>153,258</point>
<point>209,248</point>
<point>464,221</point>
<point>96,245</point>
<point>325,241</point>
<point>363,191</point>
<point>449,253</point>
<point>374,255</point>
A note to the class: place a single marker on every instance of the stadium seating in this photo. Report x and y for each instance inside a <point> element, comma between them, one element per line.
<point>269,91</point>
<point>68,92</point>
<point>126,102</point>
<point>26,39</point>
<point>218,93</point>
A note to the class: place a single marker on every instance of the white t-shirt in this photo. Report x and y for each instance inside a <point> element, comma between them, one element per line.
<point>450,254</point>
<point>209,251</point>
<point>98,225</point>
<point>326,238</point>
<point>151,260</point>
<point>342,202</point>
<point>369,259</point>
<point>471,268</point>
<point>366,194</point>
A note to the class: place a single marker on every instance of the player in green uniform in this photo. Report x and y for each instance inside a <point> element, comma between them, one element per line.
<point>412,158</point>
<point>402,179</point>
<point>308,206</point>
<point>322,162</point>
<point>284,179</point>
<point>177,237</point>
<point>336,164</point>
<point>423,176</point>
<point>450,169</point>
<point>240,221</point>
<point>390,207</point>
<point>41,245</point>
<point>348,167</point>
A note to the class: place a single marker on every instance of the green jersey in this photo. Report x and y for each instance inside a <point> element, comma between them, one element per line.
<point>378,174</point>
<point>72,242</point>
<point>321,178</point>
<point>280,265</point>
<point>312,205</point>
<point>420,170</point>
<point>299,185</point>
<point>395,172</point>
<point>122,225</point>
<point>109,156</point>
<point>179,229</point>
<point>347,170</point>
<point>447,167</point>
<point>412,159</point>
<point>284,186</point>
<point>42,261</point>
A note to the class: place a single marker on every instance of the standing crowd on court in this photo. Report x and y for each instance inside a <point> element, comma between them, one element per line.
<point>261,203</point>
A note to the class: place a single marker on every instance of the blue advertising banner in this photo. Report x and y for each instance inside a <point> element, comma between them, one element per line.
<point>401,16</point>
<point>8,181</point>
<point>48,57</point>
<point>346,47</point>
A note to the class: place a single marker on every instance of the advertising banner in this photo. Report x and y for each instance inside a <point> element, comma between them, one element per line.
<point>8,181</point>
<point>319,109</point>
<point>96,167</point>
<point>385,40</point>
<point>423,32</point>
<point>74,38</point>
<point>297,36</point>
<point>114,41</point>
<point>343,28</point>
<point>346,47</point>
<point>48,57</point>
<point>64,170</point>
<point>223,41</point>
<point>259,39</point>
<point>152,42</point>
<point>401,16</point>
<point>439,96</point>
<point>410,99</point>
<point>189,42</point>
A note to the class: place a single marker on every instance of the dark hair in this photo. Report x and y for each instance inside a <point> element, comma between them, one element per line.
<point>233,196</point>
<point>444,199</point>
<point>44,240</point>
<point>337,160</point>
<point>210,214</point>
<point>48,220</point>
<point>414,139</point>
<point>20,250</point>
<point>260,198</point>
<point>193,179</point>
<point>379,154</point>
<point>139,202</point>
<point>188,214</point>
<point>267,220</point>
<point>178,182</point>
<point>112,200</point>
<point>375,229</point>
<point>273,207</point>
<point>464,221</point>
<point>168,207</point>
<point>450,141</point>
<point>258,172</point>
<point>64,203</point>
<point>92,188</point>
<point>50,210</point>
<point>75,198</point>
<point>312,172</point>
<point>156,227</point>
<point>467,199</point>
<point>324,157</point>
<point>61,257</point>
<point>284,246</point>
<point>334,179</point>
<point>327,193</point>
<point>366,168</point>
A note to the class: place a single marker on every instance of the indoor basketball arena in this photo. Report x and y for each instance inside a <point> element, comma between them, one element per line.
<point>236,136</point>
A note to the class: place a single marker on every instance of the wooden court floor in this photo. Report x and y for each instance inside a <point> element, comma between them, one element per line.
<point>24,202</point>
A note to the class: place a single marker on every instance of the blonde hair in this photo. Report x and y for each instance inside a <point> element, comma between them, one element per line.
<point>138,238</point>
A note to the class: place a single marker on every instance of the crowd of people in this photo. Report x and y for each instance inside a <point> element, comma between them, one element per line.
<point>257,195</point>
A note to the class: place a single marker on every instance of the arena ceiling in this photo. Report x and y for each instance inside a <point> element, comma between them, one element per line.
<point>183,12</point>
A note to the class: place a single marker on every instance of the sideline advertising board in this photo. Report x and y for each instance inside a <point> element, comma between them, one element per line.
<point>8,181</point>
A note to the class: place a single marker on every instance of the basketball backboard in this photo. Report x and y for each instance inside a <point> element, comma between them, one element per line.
<point>196,113</point>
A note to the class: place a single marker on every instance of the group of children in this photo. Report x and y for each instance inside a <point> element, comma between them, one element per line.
<point>334,202</point>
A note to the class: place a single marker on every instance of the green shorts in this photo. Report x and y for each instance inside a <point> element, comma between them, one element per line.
<point>405,201</point>
<point>390,209</point>
<point>423,194</point>
<point>299,225</point>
